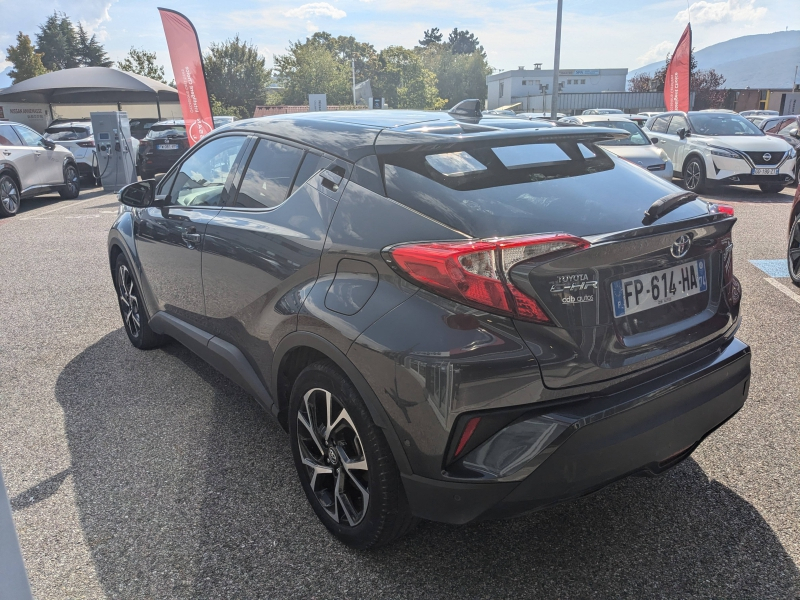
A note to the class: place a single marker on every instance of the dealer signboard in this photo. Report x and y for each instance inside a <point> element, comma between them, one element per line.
<point>35,116</point>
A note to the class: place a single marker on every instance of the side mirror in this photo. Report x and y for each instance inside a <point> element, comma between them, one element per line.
<point>794,132</point>
<point>654,140</point>
<point>681,132</point>
<point>49,144</point>
<point>139,195</point>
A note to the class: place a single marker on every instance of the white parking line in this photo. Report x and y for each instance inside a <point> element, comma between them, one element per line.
<point>783,288</point>
<point>69,204</point>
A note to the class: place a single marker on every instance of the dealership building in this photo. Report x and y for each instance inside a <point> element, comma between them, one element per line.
<point>532,87</point>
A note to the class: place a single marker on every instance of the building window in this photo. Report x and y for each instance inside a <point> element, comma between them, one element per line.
<point>583,81</point>
<point>501,89</point>
<point>524,82</point>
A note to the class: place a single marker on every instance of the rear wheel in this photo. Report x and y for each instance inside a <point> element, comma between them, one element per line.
<point>793,252</point>
<point>771,188</point>
<point>134,316</point>
<point>343,460</point>
<point>9,196</point>
<point>72,183</point>
<point>694,175</point>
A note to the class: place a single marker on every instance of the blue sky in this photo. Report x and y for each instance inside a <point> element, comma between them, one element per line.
<point>596,34</point>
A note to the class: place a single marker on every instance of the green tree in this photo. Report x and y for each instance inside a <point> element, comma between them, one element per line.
<point>404,81</point>
<point>347,48</point>
<point>218,109</point>
<point>58,43</point>
<point>237,74</point>
<point>142,62</point>
<point>463,42</point>
<point>458,76</point>
<point>90,52</point>
<point>430,37</point>
<point>27,63</point>
<point>312,68</point>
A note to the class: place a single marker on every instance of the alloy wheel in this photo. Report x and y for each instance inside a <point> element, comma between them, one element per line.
<point>692,175</point>
<point>9,195</point>
<point>129,301</point>
<point>73,180</point>
<point>332,452</point>
<point>793,253</point>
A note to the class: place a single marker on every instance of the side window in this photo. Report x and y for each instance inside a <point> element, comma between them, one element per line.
<point>676,123</point>
<point>201,179</point>
<point>29,136</point>
<point>312,163</point>
<point>269,175</point>
<point>8,136</point>
<point>660,124</point>
<point>785,127</point>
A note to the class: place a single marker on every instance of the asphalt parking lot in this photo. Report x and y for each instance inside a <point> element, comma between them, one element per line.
<point>148,475</point>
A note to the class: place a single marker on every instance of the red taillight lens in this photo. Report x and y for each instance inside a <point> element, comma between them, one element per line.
<point>466,434</point>
<point>86,144</point>
<point>476,272</point>
<point>725,209</point>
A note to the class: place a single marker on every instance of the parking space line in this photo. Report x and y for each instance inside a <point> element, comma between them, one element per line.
<point>783,289</point>
<point>70,203</point>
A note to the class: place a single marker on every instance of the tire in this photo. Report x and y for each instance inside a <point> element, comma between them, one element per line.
<point>72,183</point>
<point>132,309</point>
<point>9,196</point>
<point>771,188</point>
<point>793,251</point>
<point>336,492</point>
<point>694,175</point>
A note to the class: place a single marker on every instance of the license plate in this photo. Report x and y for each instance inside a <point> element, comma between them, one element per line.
<point>649,290</point>
<point>765,171</point>
<point>167,147</point>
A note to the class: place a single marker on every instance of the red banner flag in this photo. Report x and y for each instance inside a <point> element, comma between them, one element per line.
<point>676,84</point>
<point>187,65</point>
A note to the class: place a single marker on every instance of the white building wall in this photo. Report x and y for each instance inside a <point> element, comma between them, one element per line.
<point>526,82</point>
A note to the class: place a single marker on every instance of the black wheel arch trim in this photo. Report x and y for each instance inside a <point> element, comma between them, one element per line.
<point>12,170</point>
<point>299,339</point>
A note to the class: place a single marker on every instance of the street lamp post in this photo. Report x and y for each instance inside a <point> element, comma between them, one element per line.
<point>556,64</point>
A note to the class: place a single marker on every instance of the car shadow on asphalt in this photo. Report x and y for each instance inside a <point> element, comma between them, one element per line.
<point>30,204</point>
<point>186,489</point>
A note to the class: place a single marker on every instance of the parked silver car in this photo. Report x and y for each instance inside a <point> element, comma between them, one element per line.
<point>31,165</point>
<point>637,149</point>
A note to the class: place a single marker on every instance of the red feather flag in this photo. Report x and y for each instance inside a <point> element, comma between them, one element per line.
<point>677,83</point>
<point>187,65</point>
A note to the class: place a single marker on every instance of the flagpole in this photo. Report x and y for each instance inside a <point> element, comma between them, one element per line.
<point>353,67</point>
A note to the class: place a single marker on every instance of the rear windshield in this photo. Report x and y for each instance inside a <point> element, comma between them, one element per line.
<point>513,190</point>
<point>162,131</point>
<point>65,134</point>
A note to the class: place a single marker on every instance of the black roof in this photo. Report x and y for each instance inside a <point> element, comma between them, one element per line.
<point>353,135</point>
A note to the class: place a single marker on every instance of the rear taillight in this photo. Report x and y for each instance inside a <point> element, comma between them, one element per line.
<point>476,272</point>
<point>725,209</point>
<point>86,144</point>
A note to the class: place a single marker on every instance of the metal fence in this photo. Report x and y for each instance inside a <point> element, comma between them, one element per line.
<point>571,104</point>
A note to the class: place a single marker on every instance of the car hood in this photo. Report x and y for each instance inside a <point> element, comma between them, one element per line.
<point>644,155</point>
<point>755,143</point>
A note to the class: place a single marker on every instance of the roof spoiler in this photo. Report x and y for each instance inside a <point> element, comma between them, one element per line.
<point>390,141</point>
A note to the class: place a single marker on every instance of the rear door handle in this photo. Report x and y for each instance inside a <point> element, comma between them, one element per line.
<point>190,236</point>
<point>7,152</point>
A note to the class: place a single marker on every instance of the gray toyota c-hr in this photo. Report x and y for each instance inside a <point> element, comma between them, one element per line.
<point>455,316</point>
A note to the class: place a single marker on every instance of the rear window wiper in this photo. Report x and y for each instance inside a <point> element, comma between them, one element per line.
<point>666,204</point>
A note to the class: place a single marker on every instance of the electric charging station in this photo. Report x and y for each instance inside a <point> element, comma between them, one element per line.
<point>115,157</point>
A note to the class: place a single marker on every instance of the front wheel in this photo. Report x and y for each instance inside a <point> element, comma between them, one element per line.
<point>72,183</point>
<point>694,175</point>
<point>134,315</point>
<point>344,463</point>
<point>771,188</point>
<point>793,252</point>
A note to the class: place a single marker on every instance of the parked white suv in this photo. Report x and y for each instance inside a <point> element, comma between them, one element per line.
<point>31,165</point>
<point>722,148</point>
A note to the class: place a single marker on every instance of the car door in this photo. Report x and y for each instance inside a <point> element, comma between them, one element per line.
<point>169,236</point>
<point>21,157</point>
<point>675,146</point>
<point>49,162</point>
<point>261,252</point>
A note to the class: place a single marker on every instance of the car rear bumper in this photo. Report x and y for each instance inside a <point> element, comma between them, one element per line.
<point>642,430</point>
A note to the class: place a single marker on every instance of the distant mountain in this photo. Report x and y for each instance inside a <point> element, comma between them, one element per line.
<point>5,80</point>
<point>757,61</point>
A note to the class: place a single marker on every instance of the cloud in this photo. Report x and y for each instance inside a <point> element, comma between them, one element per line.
<point>656,53</point>
<point>316,9</point>
<point>722,12</point>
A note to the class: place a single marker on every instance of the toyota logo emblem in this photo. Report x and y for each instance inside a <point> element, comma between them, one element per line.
<point>681,246</point>
<point>767,157</point>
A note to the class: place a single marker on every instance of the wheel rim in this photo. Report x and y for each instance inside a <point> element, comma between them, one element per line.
<point>793,254</point>
<point>73,180</point>
<point>9,196</point>
<point>129,301</point>
<point>332,453</point>
<point>692,175</point>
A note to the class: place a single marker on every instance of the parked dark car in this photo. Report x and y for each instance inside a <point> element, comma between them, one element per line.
<point>454,318</point>
<point>140,127</point>
<point>164,144</point>
<point>793,248</point>
<point>788,128</point>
